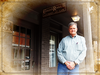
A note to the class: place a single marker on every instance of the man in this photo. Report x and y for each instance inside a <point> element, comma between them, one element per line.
<point>71,52</point>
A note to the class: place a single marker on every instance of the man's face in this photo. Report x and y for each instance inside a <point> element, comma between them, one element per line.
<point>73,29</point>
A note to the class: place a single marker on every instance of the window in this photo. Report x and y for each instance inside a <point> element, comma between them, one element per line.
<point>53,42</point>
<point>55,37</point>
<point>21,51</point>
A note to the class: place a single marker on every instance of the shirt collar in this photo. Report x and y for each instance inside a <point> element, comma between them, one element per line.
<point>74,36</point>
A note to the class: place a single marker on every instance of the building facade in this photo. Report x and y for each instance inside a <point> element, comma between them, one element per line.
<point>29,40</point>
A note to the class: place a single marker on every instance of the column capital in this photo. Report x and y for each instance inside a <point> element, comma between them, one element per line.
<point>7,26</point>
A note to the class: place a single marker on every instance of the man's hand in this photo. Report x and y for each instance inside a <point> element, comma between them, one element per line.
<point>70,65</point>
<point>67,63</point>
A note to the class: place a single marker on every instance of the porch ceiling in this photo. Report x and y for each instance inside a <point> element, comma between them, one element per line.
<point>63,18</point>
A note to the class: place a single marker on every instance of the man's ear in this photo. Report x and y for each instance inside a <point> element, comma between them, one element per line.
<point>77,29</point>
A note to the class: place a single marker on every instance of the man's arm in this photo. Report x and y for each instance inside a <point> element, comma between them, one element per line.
<point>83,53</point>
<point>59,52</point>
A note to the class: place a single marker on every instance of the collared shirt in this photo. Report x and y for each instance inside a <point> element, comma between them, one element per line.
<point>72,49</point>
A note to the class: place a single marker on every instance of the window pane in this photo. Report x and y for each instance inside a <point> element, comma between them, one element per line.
<point>28,33</point>
<point>22,65</point>
<point>27,55</point>
<point>15,65</point>
<point>15,41</point>
<point>16,30</point>
<point>28,42</point>
<point>22,53</point>
<point>52,52</point>
<point>15,53</point>
<point>22,42</point>
<point>27,64</point>
<point>22,34</point>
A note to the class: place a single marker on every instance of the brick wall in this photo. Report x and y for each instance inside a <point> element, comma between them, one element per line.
<point>45,45</point>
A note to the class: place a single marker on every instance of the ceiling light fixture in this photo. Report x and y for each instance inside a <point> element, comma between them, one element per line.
<point>75,18</point>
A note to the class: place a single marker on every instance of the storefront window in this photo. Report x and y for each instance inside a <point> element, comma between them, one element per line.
<point>21,48</point>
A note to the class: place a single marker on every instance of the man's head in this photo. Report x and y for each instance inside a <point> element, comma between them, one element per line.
<point>72,28</point>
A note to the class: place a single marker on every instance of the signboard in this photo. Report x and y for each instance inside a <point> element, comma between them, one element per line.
<point>59,8</point>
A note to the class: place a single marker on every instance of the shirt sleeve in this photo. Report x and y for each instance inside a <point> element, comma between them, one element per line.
<point>59,52</point>
<point>83,53</point>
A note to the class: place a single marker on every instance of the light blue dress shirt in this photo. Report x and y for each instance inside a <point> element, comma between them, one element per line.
<point>72,49</point>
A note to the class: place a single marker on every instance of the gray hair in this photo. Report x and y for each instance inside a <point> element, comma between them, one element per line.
<point>72,23</point>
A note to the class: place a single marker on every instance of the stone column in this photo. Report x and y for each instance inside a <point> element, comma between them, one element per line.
<point>88,36</point>
<point>6,44</point>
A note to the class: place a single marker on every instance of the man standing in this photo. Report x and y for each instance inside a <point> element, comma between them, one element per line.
<point>71,52</point>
